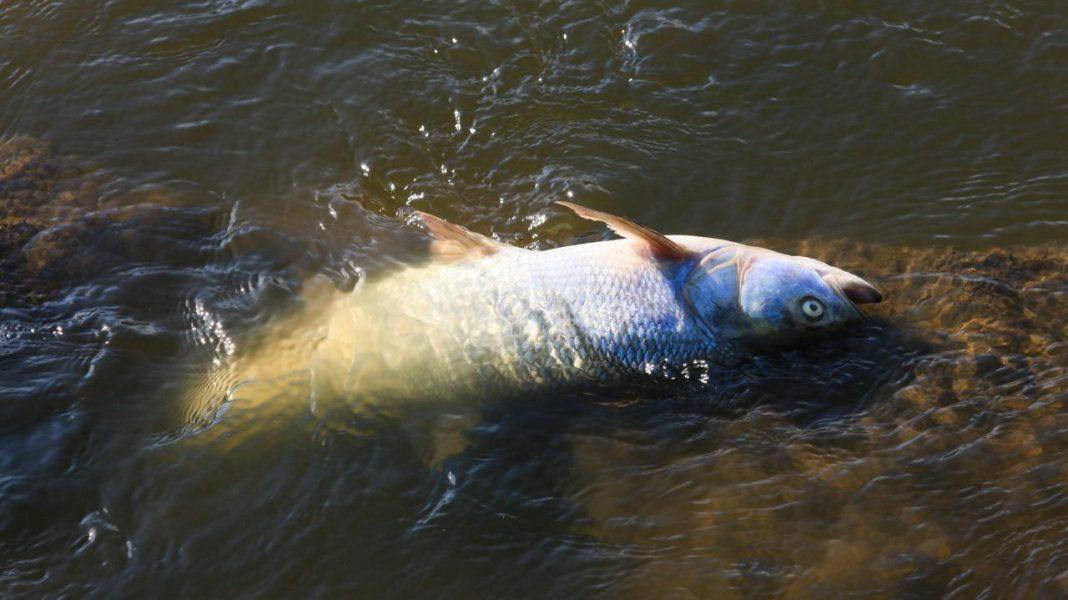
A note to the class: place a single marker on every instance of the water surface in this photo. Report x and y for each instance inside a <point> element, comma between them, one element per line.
<point>200,159</point>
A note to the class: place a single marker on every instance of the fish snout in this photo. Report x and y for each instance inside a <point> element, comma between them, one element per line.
<point>857,290</point>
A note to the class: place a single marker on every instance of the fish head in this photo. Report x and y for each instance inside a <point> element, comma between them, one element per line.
<point>759,295</point>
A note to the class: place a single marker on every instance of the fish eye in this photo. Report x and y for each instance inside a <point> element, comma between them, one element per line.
<point>811,308</point>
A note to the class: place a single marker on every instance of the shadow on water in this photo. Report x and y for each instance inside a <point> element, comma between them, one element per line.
<point>923,452</point>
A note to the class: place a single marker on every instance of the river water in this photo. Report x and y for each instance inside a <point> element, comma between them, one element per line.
<point>172,171</point>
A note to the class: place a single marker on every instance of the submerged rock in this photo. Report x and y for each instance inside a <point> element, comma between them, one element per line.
<point>62,221</point>
<point>37,191</point>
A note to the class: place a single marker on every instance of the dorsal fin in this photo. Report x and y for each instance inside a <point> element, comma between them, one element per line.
<point>453,242</point>
<point>660,246</point>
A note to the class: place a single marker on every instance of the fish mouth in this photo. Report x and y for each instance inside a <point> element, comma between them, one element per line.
<point>863,294</point>
<point>853,288</point>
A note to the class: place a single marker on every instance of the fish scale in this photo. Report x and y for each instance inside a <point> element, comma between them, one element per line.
<point>591,313</point>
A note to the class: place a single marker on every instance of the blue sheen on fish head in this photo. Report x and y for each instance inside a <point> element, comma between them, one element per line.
<point>782,297</point>
<point>756,295</point>
<point>787,296</point>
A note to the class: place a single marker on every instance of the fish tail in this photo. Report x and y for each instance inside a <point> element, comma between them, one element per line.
<point>276,371</point>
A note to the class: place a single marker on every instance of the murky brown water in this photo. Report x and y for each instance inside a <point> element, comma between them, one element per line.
<point>201,159</point>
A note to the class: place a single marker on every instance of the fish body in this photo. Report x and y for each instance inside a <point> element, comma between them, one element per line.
<point>492,318</point>
<point>482,317</point>
<point>593,313</point>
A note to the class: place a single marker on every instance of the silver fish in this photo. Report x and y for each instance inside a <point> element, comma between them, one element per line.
<point>486,317</point>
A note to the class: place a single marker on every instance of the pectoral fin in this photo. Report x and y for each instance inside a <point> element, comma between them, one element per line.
<point>660,246</point>
<point>453,242</point>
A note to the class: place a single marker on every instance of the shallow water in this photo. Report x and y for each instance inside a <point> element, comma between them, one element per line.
<point>202,159</point>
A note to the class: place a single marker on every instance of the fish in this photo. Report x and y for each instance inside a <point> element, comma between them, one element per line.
<point>483,317</point>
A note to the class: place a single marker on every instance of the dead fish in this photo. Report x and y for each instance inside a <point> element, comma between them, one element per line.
<point>486,317</point>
